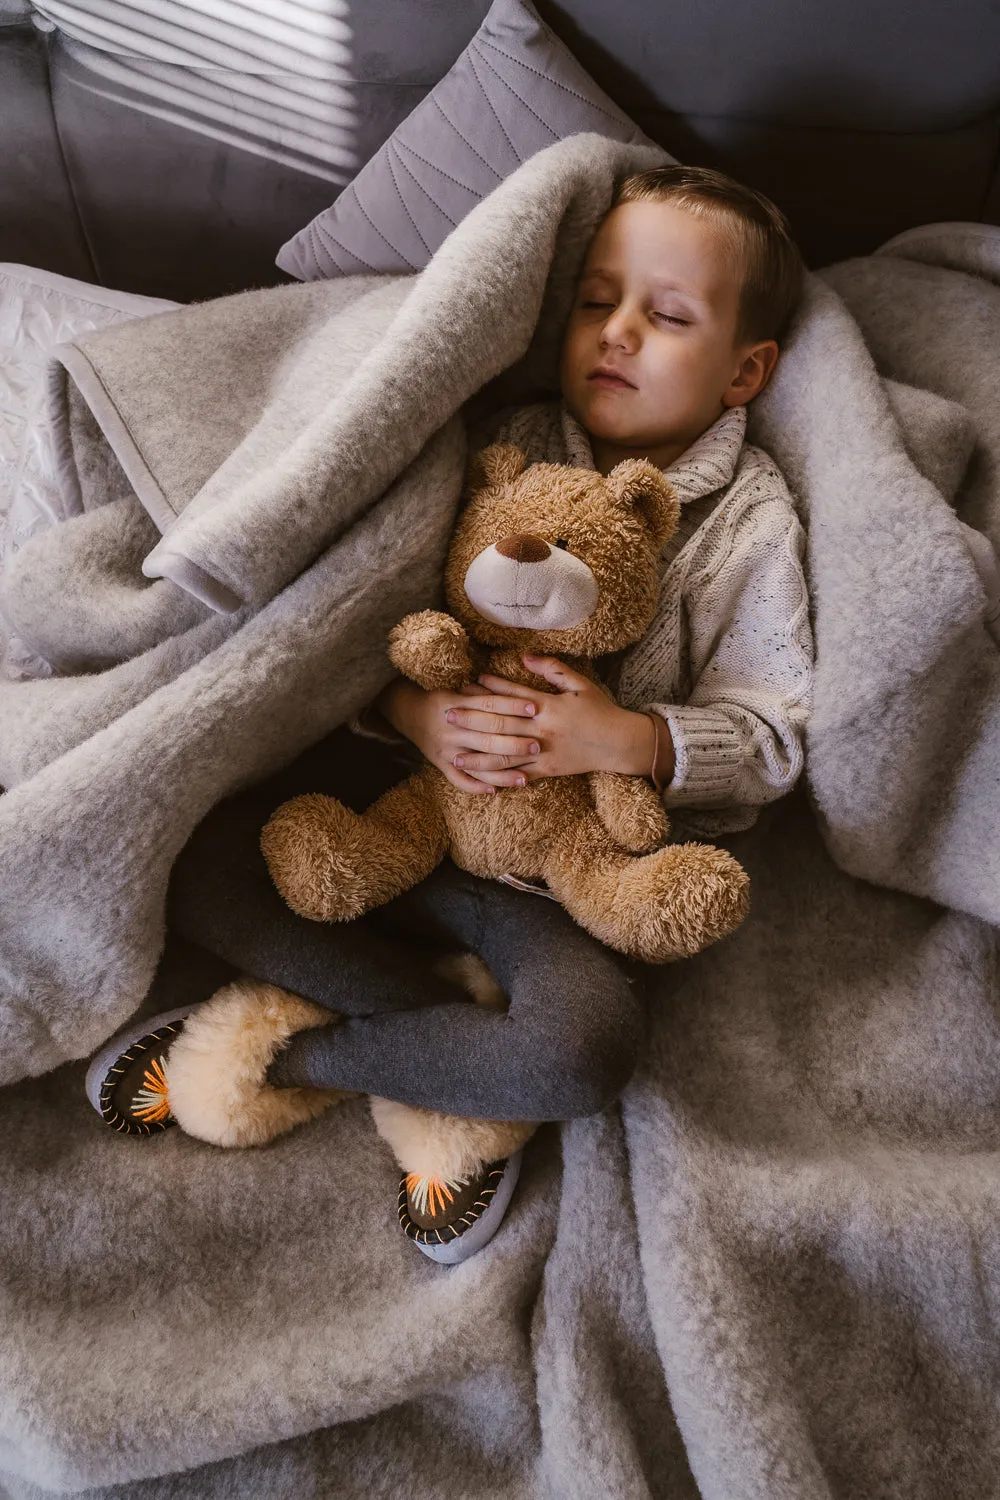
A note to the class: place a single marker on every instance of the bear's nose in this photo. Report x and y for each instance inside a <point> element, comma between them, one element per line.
<point>523,547</point>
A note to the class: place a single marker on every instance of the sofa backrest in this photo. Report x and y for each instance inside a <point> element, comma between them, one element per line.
<point>169,150</point>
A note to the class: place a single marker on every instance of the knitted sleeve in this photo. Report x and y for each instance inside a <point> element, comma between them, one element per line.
<point>739,735</point>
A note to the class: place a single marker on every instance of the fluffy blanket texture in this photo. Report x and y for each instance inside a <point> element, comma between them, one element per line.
<point>773,1273</point>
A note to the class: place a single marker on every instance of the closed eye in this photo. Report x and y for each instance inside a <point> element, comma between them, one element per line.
<point>665,317</point>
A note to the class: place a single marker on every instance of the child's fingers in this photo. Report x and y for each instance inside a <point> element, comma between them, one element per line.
<point>555,671</point>
<point>489,727</point>
<point>472,762</point>
<point>507,691</point>
<point>505,687</point>
<point>465,782</point>
<point>503,778</point>
<point>510,748</point>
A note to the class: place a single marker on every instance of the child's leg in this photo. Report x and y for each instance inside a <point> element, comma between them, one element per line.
<point>567,1045</point>
<point>222,898</point>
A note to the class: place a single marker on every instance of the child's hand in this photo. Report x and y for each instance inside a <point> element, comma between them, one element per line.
<point>578,727</point>
<point>485,726</point>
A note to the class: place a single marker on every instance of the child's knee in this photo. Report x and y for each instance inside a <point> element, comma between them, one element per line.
<point>602,1056</point>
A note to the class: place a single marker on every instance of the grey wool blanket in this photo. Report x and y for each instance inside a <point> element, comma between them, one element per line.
<point>773,1273</point>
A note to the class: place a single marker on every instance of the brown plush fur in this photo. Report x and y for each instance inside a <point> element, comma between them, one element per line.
<point>597,840</point>
<point>469,971</point>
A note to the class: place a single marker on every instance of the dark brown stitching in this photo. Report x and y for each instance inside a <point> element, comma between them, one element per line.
<point>435,168</point>
<point>489,101</point>
<point>429,196</point>
<point>382,236</point>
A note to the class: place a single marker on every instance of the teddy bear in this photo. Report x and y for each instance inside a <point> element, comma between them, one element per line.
<point>545,558</point>
<point>549,559</point>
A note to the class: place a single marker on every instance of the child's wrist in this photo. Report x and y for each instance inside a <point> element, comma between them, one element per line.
<point>636,746</point>
<point>664,755</point>
<point>646,748</point>
<point>392,703</point>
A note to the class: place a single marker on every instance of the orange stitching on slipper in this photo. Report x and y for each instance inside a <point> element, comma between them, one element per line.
<point>432,1194</point>
<point>150,1103</point>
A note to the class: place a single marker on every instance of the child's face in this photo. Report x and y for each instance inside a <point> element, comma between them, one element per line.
<point>657,303</point>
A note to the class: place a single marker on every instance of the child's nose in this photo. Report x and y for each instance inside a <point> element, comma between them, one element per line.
<point>619,328</point>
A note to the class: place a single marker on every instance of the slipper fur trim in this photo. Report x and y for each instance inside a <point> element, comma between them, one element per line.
<point>428,1144</point>
<point>216,1068</point>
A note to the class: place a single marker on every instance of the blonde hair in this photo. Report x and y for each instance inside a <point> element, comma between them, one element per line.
<point>759,234</point>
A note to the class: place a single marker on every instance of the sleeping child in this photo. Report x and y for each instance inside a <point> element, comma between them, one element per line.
<point>688,286</point>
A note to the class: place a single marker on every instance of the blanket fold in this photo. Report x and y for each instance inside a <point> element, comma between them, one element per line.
<point>308,408</point>
<point>882,418</point>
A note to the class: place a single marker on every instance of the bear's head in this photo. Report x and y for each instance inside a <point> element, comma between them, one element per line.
<point>556,559</point>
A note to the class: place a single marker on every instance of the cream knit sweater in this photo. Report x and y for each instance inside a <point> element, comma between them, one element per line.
<point>728,659</point>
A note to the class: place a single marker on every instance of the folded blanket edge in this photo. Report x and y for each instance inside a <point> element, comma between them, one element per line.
<point>117,435</point>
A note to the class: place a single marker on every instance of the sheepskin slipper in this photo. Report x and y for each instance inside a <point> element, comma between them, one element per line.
<point>125,1080</point>
<point>447,1148</point>
<point>451,1226</point>
<point>203,1068</point>
<point>215,1070</point>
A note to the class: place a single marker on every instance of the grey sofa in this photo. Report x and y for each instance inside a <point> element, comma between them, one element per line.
<point>148,166</point>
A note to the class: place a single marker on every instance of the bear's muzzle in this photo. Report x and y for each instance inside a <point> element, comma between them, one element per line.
<point>523,581</point>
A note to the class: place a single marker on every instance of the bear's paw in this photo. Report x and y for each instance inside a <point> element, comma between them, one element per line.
<point>432,650</point>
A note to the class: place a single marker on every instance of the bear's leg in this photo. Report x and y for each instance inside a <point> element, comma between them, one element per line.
<point>216,1086</point>
<point>630,811</point>
<point>657,907</point>
<point>332,865</point>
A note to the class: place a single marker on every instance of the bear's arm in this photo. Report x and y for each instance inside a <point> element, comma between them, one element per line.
<point>433,650</point>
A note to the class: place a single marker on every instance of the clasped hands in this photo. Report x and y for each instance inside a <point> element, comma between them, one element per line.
<point>495,733</point>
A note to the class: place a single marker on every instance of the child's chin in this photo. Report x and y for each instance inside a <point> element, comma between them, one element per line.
<point>606,415</point>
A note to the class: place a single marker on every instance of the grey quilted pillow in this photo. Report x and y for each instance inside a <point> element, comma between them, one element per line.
<point>515,89</point>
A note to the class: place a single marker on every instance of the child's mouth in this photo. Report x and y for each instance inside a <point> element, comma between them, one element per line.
<point>613,382</point>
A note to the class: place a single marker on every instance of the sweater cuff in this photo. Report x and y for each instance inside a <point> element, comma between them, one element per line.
<point>708,756</point>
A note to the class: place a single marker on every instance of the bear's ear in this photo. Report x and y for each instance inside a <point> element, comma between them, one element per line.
<point>640,486</point>
<point>500,463</point>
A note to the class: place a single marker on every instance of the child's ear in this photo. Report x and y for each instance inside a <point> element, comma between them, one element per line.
<point>500,463</point>
<point>640,486</point>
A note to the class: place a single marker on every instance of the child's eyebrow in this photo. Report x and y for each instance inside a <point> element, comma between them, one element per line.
<point>661,283</point>
<point>664,284</point>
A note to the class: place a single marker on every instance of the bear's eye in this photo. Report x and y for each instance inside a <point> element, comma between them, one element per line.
<point>562,542</point>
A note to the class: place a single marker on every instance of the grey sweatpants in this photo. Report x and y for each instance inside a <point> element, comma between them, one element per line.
<point>575,1025</point>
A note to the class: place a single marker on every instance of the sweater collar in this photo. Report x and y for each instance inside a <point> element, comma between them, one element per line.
<point>707,465</point>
